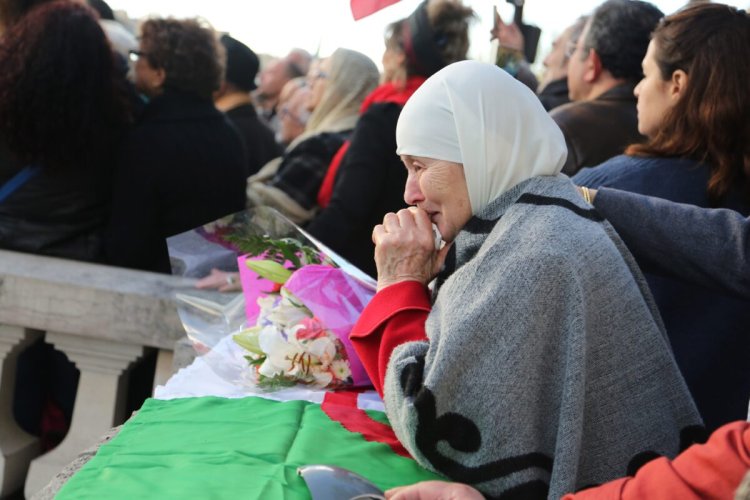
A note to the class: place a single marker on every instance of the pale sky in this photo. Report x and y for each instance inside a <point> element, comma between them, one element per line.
<point>275,26</point>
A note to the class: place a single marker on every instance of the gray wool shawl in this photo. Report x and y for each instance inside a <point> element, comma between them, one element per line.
<point>547,367</point>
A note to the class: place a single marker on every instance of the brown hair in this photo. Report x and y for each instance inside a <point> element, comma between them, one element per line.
<point>710,123</point>
<point>11,11</point>
<point>189,53</point>
<point>63,102</point>
<point>449,20</point>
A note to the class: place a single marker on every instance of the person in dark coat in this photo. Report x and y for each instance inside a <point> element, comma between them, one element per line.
<point>63,137</point>
<point>366,180</point>
<point>233,98</point>
<point>602,72</point>
<point>694,108</point>
<point>57,148</point>
<point>184,164</point>
<point>337,88</point>
<point>553,90</point>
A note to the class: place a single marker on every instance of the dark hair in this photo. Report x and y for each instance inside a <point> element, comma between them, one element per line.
<point>188,52</point>
<point>101,8</point>
<point>711,121</point>
<point>449,20</point>
<point>297,63</point>
<point>11,11</point>
<point>62,101</point>
<point>241,64</point>
<point>619,32</point>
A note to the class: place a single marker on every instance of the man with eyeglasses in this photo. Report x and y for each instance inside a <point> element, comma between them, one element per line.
<point>293,113</point>
<point>554,85</point>
<point>272,80</point>
<point>604,67</point>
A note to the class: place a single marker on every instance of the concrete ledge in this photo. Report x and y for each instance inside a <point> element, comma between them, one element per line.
<point>90,300</point>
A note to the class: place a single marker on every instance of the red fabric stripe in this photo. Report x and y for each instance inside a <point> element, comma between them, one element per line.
<point>396,315</point>
<point>326,188</point>
<point>342,407</point>
<point>363,8</point>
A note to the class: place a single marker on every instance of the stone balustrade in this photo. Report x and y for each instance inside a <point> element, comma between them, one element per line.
<point>101,318</point>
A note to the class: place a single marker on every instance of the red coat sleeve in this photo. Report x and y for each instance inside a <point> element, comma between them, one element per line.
<point>396,315</point>
<point>711,470</point>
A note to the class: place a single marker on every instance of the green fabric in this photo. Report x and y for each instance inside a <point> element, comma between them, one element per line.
<point>231,448</point>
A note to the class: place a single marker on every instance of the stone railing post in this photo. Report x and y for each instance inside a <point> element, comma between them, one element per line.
<point>17,448</point>
<point>99,401</point>
<point>102,318</point>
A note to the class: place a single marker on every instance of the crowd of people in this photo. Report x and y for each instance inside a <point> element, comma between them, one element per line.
<point>588,310</point>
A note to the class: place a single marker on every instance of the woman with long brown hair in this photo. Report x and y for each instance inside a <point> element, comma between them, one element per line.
<point>64,111</point>
<point>694,107</point>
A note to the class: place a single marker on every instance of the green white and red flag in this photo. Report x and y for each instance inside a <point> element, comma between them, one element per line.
<point>250,448</point>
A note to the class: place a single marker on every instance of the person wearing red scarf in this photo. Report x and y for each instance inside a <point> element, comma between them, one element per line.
<point>366,178</point>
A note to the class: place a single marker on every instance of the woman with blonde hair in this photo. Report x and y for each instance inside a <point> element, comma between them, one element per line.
<point>338,86</point>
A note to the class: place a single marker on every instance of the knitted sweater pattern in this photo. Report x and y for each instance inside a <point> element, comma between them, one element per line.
<point>547,368</point>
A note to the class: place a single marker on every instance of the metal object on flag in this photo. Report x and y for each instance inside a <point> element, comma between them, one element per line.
<point>327,482</point>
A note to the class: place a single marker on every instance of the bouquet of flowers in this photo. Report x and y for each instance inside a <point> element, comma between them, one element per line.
<point>300,301</point>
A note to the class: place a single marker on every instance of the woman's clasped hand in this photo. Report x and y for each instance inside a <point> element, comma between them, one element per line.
<point>405,248</point>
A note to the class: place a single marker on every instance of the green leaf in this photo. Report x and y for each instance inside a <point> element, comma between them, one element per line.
<point>270,270</point>
<point>248,340</point>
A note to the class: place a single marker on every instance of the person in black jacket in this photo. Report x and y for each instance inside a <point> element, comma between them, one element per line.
<point>184,164</point>
<point>67,135</point>
<point>61,135</point>
<point>370,179</point>
<point>233,98</point>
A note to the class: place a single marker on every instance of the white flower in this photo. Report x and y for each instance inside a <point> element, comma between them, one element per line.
<point>279,353</point>
<point>324,349</point>
<point>321,378</point>
<point>341,369</point>
<point>288,311</point>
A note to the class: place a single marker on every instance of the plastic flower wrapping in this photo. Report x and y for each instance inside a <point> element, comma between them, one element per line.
<point>290,324</point>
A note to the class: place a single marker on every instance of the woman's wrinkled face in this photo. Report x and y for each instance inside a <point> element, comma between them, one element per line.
<point>318,82</point>
<point>654,95</point>
<point>439,188</point>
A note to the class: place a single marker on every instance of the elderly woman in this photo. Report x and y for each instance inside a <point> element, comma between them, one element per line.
<point>694,107</point>
<point>540,365</point>
<point>337,88</point>
<point>184,164</point>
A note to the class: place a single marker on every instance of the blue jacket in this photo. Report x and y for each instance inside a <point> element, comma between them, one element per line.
<point>709,330</point>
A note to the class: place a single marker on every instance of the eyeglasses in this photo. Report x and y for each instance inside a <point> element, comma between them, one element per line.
<point>301,119</point>
<point>570,48</point>
<point>136,54</point>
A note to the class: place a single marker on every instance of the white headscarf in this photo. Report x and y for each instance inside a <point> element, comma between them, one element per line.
<point>478,115</point>
<point>352,77</point>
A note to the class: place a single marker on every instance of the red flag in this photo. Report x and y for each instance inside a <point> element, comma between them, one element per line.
<point>363,8</point>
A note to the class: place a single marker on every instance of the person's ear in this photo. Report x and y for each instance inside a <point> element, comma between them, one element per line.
<point>592,67</point>
<point>678,84</point>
